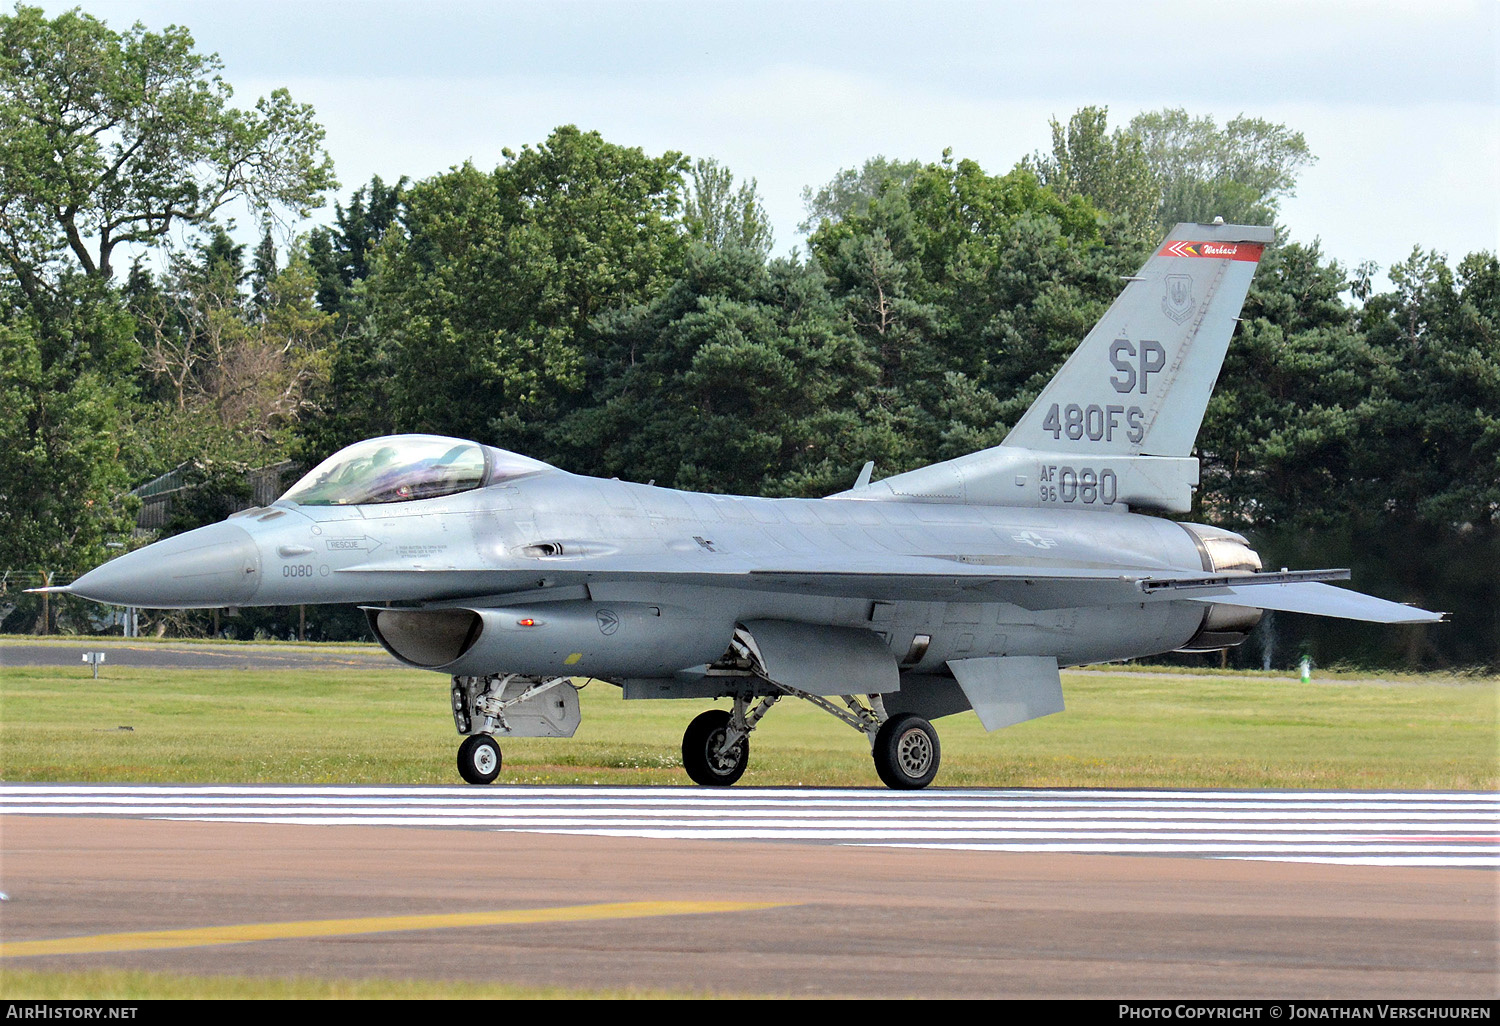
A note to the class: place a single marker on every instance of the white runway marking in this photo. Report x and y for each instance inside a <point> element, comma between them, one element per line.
<point>1451,829</point>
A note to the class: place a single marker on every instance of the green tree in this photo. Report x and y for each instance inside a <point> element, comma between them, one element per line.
<point>717,214</point>
<point>116,138</point>
<point>226,375</point>
<point>1433,433</point>
<point>1240,172</point>
<point>1166,167</point>
<point>477,310</point>
<point>1410,499</point>
<point>69,369</point>
<point>740,377</point>
<point>341,255</point>
<point>108,139</point>
<point>1366,437</point>
<point>851,191</point>
<point>969,289</point>
<point>1109,169</point>
<point>1282,429</point>
<point>263,271</point>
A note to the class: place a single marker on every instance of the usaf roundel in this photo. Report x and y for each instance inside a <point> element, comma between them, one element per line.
<point>608,621</point>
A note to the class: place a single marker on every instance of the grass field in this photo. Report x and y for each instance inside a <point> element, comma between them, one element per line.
<point>1121,729</point>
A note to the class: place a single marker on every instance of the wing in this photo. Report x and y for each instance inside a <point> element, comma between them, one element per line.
<point>1034,584</point>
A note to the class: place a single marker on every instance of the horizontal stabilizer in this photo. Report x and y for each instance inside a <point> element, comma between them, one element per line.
<point>1311,597</point>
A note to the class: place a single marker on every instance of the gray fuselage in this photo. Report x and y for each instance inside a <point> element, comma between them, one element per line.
<point>678,570</point>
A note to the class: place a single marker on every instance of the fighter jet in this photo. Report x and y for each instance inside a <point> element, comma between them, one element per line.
<point>961,585</point>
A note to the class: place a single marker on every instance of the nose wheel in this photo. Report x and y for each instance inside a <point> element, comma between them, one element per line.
<point>479,759</point>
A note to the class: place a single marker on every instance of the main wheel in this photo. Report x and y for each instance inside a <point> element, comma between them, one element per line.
<point>479,759</point>
<point>906,752</point>
<point>700,744</point>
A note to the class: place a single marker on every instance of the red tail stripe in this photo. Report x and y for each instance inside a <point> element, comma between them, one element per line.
<point>1213,250</point>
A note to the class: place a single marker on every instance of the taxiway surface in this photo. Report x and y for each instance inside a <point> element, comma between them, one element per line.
<point>743,916</point>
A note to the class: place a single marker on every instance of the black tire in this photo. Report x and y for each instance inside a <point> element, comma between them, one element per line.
<point>704,735</point>
<point>479,759</point>
<point>907,752</point>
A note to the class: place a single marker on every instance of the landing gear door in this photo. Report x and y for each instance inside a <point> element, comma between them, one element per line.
<point>825,660</point>
<point>515,705</point>
<point>1006,690</point>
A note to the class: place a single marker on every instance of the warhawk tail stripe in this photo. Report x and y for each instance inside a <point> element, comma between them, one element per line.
<point>1213,250</point>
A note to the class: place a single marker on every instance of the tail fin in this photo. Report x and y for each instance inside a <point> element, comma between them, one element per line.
<point>1139,382</point>
<point>1115,428</point>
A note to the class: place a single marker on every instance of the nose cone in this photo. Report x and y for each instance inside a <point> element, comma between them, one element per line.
<point>218,565</point>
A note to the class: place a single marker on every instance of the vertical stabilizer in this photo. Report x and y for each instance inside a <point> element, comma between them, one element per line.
<point>1139,382</point>
<point>1115,428</point>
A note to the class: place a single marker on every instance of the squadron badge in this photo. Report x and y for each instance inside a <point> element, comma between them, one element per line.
<point>1178,303</point>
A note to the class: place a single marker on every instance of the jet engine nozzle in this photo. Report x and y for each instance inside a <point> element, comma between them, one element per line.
<point>1222,552</point>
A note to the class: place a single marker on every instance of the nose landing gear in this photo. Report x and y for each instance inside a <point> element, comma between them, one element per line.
<point>512,705</point>
<point>479,759</point>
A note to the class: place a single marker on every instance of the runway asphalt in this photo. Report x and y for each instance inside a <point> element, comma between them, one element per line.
<point>742,916</point>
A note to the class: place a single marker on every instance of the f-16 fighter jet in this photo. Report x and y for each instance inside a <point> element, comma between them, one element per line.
<point>961,585</point>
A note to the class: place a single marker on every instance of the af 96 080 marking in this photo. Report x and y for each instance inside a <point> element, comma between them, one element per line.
<point>1083,485</point>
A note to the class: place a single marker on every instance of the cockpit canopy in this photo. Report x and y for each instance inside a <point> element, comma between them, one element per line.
<point>402,468</point>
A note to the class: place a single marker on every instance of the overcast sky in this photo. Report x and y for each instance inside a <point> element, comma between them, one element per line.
<point>1398,100</point>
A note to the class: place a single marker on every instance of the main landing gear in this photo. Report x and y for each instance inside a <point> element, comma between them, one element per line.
<point>906,752</point>
<point>716,745</point>
<point>708,755</point>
